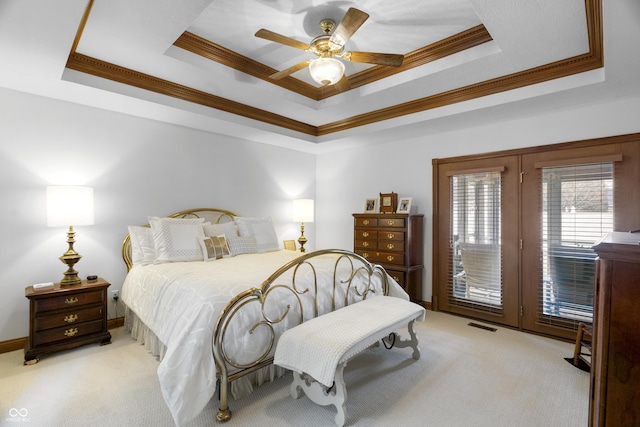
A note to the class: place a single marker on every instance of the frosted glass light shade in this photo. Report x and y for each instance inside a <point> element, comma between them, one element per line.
<point>326,71</point>
<point>303,210</point>
<point>69,205</point>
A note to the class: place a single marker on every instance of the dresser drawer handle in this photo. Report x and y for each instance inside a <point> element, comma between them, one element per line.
<point>391,222</point>
<point>390,246</point>
<point>390,236</point>
<point>71,318</point>
<point>365,222</point>
<point>71,332</point>
<point>397,279</point>
<point>70,301</point>
<point>365,244</point>
<point>366,255</point>
<point>390,258</point>
<point>365,234</point>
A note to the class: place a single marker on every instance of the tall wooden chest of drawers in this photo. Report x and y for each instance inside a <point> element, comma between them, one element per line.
<point>66,317</point>
<point>615,361</point>
<point>395,241</point>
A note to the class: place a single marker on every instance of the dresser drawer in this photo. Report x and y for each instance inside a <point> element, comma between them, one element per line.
<point>366,234</point>
<point>68,300</point>
<point>398,276</point>
<point>366,244</point>
<point>392,223</point>
<point>366,222</point>
<point>67,317</point>
<point>383,257</point>
<point>68,332</point>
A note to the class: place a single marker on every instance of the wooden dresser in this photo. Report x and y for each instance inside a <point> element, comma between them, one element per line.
<point>615,363</point>
<point>66,317</point>
<point>395,241</point>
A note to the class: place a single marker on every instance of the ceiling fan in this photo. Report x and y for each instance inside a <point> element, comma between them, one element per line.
<point>327,70</point>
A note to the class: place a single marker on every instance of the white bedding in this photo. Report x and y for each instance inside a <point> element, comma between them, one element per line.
<point>181,301</point>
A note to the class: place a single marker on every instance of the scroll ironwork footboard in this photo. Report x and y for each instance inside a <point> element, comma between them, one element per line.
<point>294,293</point>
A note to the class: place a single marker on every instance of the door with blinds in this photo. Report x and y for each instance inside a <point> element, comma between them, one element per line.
<point>570,205</point>
<point>477,239</point>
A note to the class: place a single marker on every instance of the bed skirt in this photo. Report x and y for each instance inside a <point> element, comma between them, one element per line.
<point>239,388</point>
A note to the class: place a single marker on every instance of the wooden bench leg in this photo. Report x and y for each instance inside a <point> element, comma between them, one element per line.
<point>394,340</point>
<point>321,395</point>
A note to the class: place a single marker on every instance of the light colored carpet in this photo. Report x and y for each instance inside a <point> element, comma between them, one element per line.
<point>465,377</point>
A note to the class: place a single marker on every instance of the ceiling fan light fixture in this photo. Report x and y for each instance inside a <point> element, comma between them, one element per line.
<point>326,71</point>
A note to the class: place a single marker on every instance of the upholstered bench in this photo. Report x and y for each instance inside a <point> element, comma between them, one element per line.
<point>317,350</point>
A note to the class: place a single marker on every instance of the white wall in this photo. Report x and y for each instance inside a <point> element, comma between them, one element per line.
<point>403,165</point>
<point>138,168</point>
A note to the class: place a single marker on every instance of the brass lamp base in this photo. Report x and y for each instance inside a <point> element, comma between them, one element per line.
<point>70,257</point>
<point>302,240</point>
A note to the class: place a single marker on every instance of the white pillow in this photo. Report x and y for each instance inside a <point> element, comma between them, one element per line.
<point>261,229</point>
<point>214,247</point>
<point>242,245</point>
<point>143,249</point>
<point>176,239</point>
<point>226,228</point>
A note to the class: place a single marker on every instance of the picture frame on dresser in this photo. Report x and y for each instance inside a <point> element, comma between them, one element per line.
<point>404,205</point>
<point>371,205</point>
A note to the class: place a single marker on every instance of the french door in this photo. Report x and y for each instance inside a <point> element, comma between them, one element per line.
<point>513,231</point>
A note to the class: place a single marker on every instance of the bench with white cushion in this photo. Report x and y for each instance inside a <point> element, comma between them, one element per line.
<point>317,350</point>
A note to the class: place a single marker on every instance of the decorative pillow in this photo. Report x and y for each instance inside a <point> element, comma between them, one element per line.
<point>143,249</point>
<point>176,239</point>
<point>226,228</point>
<point>261,229</point>
<point>214,247</point>
<point>242,245</point>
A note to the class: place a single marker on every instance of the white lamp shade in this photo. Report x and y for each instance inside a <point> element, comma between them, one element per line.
<point>303,210</point>
<point>326,71</point>
<point>69,205</point>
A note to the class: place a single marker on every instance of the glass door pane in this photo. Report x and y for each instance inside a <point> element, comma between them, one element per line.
<point>577,210</point>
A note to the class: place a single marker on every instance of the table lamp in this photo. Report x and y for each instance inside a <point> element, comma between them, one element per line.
<point>302,212</point>
<point>69,206</point>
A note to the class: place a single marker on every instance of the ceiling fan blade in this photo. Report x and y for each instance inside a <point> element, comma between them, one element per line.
<point>278,38</point>
<point>391,59</point>
<point>352,20</point>
<point>284,73</point>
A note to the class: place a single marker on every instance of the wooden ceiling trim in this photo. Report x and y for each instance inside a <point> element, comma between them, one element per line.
<point>440,49</point>
<point>563,68</point>
<point>96,67</point>
<point>207,49</point>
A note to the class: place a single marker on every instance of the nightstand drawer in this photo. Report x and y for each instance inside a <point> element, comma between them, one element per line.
<point>68,300</point>
<point>68,332</point>
<point>68,318</point>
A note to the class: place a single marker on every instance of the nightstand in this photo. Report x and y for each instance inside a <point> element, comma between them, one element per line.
<point>66,317</point>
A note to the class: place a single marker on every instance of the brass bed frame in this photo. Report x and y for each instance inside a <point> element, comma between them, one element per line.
<point>348,266</point>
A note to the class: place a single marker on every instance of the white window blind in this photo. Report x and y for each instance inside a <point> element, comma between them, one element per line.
<point>475,271</point>
<point>577,210</point>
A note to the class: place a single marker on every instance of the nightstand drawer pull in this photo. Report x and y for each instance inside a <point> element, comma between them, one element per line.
<point>390,246</point>
<point>71,332</point>
<point>390,236</point>
<point>70,301</point>
<point>365,234</point>
<point>71,318</point>
<point>390,258</point>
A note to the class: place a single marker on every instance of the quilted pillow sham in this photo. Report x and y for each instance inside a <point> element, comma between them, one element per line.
<point>260,229</point>
<point>143,249</point>
<point>176,239</point>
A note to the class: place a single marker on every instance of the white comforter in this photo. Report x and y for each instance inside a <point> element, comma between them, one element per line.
<point>180,302</point>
